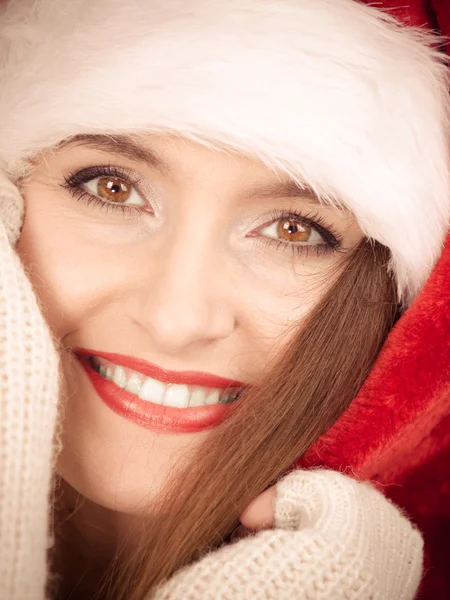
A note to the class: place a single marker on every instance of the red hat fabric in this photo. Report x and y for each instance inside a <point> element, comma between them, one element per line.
<point>411,12</point>
<point>419,13</point>
<point>397,431</point>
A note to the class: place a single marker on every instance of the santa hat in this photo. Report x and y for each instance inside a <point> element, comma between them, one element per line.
<point>333,92</point>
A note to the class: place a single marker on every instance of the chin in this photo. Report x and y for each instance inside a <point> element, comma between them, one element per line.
<point>107,486</point>
<point>112,461</point>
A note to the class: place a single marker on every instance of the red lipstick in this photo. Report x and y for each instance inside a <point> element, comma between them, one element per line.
<point>146,413</point>
<point>150,370</point>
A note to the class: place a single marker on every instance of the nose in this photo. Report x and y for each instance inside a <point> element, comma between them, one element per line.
<point>183,299</point>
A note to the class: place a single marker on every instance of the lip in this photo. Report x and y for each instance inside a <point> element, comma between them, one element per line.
<point>152,416</point>
<point>150,370</point>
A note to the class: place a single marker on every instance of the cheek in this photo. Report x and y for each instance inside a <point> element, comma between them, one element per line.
<point>72,274</point>
<point>280,290</point>
<point>274,314</point>
<point>288,291</point>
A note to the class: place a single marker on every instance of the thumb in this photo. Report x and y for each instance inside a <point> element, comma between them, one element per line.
<point>260,513</point>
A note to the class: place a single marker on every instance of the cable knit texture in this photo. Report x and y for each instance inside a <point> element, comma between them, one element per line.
<point>28,393</point>
<point>334,538</point>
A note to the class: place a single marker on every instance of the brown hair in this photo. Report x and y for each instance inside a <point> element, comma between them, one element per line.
<point>316,379</point>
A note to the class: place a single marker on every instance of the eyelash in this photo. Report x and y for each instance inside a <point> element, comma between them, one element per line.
<point>332,239</point>
<point>74,181</point>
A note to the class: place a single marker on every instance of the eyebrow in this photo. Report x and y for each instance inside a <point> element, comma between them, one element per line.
<point>283,189</point>
<point>125,146</point>
<point>118,144</point>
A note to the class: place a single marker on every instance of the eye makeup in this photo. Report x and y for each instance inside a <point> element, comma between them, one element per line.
<point>289,221</point>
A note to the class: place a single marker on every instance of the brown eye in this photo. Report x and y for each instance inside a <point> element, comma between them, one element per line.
<point>114,189</point>
<point>291,230</point>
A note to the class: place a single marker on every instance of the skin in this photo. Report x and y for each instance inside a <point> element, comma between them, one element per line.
<point>188,285</point>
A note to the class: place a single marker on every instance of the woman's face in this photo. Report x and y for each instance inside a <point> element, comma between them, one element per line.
<point>196,261</point>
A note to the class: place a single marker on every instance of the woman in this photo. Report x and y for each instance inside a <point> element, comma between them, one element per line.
<point>224,218</point>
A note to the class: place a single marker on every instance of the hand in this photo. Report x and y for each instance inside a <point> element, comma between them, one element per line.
<point>318,534</point>
<point>259,514</point>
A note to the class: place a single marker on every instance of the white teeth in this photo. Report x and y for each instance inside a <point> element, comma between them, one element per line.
<point>120,378</point>
<point>177,396</point>
<point>134,384</point>
<point>152,390</point>
<point>198,398</point>
<point>213,398</point>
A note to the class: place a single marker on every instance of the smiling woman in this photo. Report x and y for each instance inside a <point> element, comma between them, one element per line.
<point>203,261</point>
<point>223,218</point>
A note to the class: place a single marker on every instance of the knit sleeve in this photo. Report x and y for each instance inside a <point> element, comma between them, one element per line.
<point>28,412</point>
<point>334,538</point>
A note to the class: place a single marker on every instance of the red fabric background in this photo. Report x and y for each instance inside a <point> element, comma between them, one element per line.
<point>397,431</point>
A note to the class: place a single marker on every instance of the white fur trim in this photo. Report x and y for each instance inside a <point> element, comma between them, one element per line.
<point>333,92</point>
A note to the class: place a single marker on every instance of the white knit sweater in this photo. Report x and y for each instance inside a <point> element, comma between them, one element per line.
<point>334,537</point>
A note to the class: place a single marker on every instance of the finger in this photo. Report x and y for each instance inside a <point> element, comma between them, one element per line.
<point>260,513</point>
